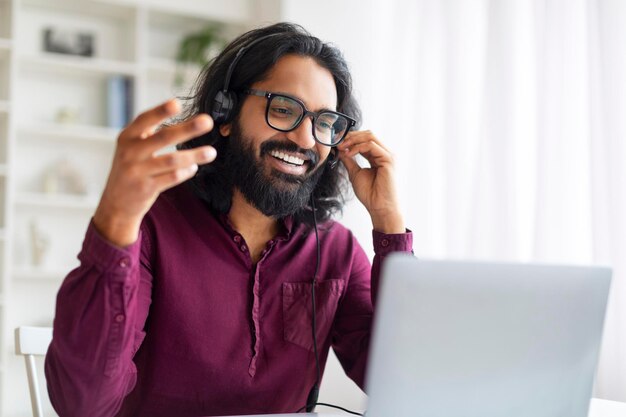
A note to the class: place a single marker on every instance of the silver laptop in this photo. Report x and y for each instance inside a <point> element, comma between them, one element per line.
<point>463,339</point>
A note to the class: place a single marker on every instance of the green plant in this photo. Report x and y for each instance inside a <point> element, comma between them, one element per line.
<point>196,48</point>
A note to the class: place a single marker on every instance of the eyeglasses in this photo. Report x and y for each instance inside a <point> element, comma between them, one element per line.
<point>285,113</point>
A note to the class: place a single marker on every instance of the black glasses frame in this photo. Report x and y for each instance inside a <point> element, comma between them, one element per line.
<point>305,112</point>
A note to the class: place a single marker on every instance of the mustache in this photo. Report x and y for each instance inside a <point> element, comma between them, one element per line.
<point>276,145</point>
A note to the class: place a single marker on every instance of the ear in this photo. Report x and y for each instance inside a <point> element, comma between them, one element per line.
<point>225,129</point>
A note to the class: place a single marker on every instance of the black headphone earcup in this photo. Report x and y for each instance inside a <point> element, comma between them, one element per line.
<point>224,105</point>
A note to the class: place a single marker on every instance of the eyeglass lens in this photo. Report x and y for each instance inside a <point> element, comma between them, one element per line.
<point>284,113</point>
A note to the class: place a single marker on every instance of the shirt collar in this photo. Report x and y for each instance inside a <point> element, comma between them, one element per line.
<point>286,225</point>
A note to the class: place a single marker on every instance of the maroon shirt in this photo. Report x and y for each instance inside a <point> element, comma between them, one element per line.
<point>182,323</point>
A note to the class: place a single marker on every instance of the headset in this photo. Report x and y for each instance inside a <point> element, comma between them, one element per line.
<point>222,110</point>
<point>225,101</point>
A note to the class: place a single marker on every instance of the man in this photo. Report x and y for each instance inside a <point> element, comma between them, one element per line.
<point>197,297</point>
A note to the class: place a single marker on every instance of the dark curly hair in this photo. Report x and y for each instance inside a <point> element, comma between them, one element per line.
<point>212,183</point>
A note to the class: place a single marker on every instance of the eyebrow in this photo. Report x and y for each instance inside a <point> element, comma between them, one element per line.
<point>300,98</point>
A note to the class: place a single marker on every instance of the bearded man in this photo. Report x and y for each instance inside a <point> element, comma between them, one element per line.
<point>206,286</point>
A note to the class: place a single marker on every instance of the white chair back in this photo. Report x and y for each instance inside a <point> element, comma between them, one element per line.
<point>31,342</point>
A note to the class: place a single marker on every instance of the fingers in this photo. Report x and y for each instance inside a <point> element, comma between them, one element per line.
<point>351,166</point>
<point>366,144</point>
<point>362,136</point>
<point>150,119</point>
<point>144,126</point>
<point>179,160</point>
<point>173,135</point>
<point>169,170</point>
<point>169,179</point>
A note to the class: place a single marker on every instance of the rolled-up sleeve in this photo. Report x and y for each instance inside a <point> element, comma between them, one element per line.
<point>101,309</point>
<point>353,324</point>
<point>384,245</point>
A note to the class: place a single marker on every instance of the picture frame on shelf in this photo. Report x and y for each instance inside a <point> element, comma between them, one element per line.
<point>68,42</point>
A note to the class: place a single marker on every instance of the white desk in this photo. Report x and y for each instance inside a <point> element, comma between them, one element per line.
<point>599,408</point>
<point>605,408</point>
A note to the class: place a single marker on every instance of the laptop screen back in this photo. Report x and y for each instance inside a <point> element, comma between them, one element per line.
<point>464,339</point>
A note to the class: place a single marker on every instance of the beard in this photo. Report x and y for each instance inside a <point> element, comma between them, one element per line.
<point>274,193</point>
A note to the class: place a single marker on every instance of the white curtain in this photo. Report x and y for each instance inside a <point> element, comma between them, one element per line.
<point>508,121</point>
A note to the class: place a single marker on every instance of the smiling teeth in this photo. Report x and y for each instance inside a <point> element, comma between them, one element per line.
<point>287,158</point>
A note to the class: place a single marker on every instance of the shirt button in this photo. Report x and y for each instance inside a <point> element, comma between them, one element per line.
<point>237,239</point>
<point>384,243</point>
<point>243,248</point>
<point>124,262</point>
<point>119,318</point>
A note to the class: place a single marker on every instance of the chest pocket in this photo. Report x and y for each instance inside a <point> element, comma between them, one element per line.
<point>298,310</point>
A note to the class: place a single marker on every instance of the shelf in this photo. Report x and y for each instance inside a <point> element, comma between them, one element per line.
<point>71,132</point>
<point>166,71</point>
<point>117,9</point>
<point>39,273</point>
<point>169,67</point>
<point>65,201</point>
<point>238,12</point>
<point>73,64</point>
<point>161,65</point>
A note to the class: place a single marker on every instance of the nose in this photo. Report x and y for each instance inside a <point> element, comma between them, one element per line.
<point>303,134</point>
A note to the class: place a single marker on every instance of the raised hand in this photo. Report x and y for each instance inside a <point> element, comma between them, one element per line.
<point>374,186</point>
<point>138,175</point>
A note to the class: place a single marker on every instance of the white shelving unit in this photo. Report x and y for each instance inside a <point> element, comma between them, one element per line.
<point>53,108</point>
<point>74,132</point>
<point>6,107</point>
<point>77,65</point>
<point>69,201</point>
